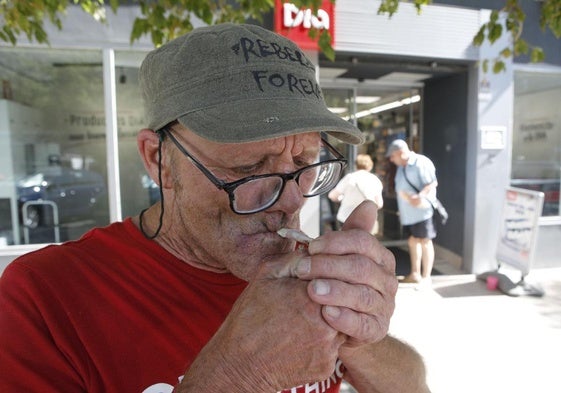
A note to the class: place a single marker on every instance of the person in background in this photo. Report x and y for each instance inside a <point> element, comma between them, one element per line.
<point>415,186</point>
<point>199,292</point>
<point>356,187</point>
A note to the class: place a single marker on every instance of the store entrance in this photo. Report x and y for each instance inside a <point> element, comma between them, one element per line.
<point>424,102</point>
<point>383,112</point>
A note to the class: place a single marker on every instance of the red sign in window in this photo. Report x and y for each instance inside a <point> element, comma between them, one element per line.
<point>295,23</point>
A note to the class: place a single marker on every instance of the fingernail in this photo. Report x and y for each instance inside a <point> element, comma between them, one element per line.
<point>321,287</point>
<point>333,311</point>
<point>304,266</point>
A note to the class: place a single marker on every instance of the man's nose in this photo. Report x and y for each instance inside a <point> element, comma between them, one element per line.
<point>291,199</point>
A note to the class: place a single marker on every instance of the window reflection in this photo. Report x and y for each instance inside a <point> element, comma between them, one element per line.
<point>52,145</point>
<point>138,191</point>
<point>536,150</point>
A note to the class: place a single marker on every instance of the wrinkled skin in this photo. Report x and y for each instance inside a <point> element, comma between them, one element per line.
<point>301,310</point>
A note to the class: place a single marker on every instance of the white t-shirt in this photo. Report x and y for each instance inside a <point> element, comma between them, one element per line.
<point>354,188</point>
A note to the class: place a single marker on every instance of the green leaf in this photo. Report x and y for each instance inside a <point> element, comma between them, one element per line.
<point>8,35</point>
<point>38,32</point>
<point>480,36</point>
<point>511,25</point>
<point>520,47</point>
<point>506,53</point>
<point>485,66</point>
<point>551,16</point>
<point>139,28</point>
<point>495,32</point>
<point>388,7</point>
<point>420,3</point>
<point>157,37</point>
<point>537,55</point>
<point>499,66</point>
<point>114,4</point>
<point>325,45</point>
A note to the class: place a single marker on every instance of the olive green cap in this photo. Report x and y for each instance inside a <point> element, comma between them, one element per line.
<point>235,83</point>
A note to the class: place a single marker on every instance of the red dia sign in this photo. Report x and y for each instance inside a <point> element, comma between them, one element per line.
<point>295,23</point>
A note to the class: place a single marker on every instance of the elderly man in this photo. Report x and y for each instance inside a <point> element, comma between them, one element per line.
<point>199,293</point>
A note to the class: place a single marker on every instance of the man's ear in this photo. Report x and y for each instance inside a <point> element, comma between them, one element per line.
<point>148,143</point>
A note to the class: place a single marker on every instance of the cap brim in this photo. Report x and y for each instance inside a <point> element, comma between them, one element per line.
<point>244,121</point>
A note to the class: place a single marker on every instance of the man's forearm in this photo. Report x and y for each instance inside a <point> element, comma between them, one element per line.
<point>389,366</point>
<point>428,188</point>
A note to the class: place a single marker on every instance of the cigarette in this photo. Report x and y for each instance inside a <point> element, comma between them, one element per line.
<point>294,234</point>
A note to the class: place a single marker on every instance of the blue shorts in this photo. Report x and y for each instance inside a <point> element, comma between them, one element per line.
<point>422,230</point>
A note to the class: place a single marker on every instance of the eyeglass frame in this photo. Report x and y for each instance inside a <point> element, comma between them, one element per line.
<point>230,187</point>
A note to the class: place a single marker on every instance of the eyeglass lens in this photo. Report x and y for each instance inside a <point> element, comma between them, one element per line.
<point>258,194</point>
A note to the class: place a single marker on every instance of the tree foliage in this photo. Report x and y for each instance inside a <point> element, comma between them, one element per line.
<point>513,24</point>
<point>164,20</point>
<point>28,16</point>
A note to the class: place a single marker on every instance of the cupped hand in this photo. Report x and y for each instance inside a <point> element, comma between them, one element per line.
<point>274,338</point>
<point>353,276</point>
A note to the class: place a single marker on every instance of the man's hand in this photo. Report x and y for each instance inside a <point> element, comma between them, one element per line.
<point>274,338</point>
<point>415,200</point>
<point>353,276</point>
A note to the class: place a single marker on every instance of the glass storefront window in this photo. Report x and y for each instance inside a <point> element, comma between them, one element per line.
<point>536,147</point>
<point>138,191</point>
<point>53,176</point>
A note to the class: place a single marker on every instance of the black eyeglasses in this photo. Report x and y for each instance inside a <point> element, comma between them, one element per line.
<point>256,193</point>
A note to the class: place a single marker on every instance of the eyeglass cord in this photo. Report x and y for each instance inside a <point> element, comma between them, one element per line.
<point>150,237</point>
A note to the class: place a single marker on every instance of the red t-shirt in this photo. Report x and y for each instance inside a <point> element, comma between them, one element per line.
<point>111,312</point>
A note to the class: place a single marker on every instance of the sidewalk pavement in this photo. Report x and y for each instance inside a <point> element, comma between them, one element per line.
<point>477,340</point>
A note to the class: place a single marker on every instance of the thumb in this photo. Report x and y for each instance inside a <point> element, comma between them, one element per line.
<point>363,217</point>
